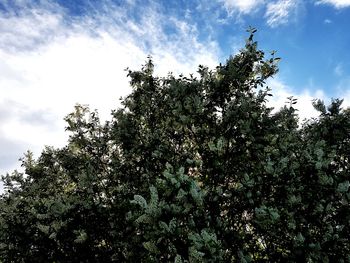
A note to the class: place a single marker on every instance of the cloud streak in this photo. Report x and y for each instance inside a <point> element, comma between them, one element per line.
<point>242,6</point>
<point>24,27</point>
<point>278,13</point>
<point>336,3</point>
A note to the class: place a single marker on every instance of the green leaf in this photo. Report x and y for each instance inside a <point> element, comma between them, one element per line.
<point>300,238</point>
<point>343,187</point>
<point>81,237</point>
<point>178,259</point>
<point>43,228</point>
<point>139,200</point>
<point>151,247</point>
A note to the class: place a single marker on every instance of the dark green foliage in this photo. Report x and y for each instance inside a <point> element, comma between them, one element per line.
<point>190,169</point>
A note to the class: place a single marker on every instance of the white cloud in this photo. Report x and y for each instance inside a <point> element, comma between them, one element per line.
<point>346,96</point>
<point>338,70</point>
<point>279,12</point>
<point>276,12</point>
<point>242,6</point>
<point>26,29</point>
<point>49,63</point>
<point>336,3</point>
<point>281,91</point>
<point>342,90</point>
<point>327,21</point>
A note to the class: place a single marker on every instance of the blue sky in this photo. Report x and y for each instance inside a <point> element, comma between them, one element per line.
<point>54,54</point>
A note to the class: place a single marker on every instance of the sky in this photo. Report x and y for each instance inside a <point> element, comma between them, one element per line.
<point>54,54</point>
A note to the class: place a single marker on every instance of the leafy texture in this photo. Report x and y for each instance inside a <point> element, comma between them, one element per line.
<point>190,169</point>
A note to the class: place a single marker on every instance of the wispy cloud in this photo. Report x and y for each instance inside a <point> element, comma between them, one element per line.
<point>327,21</point>
<point>24,26</point>
<point>279,13</point>
<point>336,3</point>
<point>342,90</point>
<point>242,6</point>
<point>276,12</point>
<point>338,70</point>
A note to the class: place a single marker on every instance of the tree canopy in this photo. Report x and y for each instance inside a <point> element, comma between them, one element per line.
<point>190,169</point>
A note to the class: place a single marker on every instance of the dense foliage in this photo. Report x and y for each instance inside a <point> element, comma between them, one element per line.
<point>190,169</point>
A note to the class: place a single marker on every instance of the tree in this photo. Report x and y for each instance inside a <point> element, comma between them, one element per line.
<point>190,169</point>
